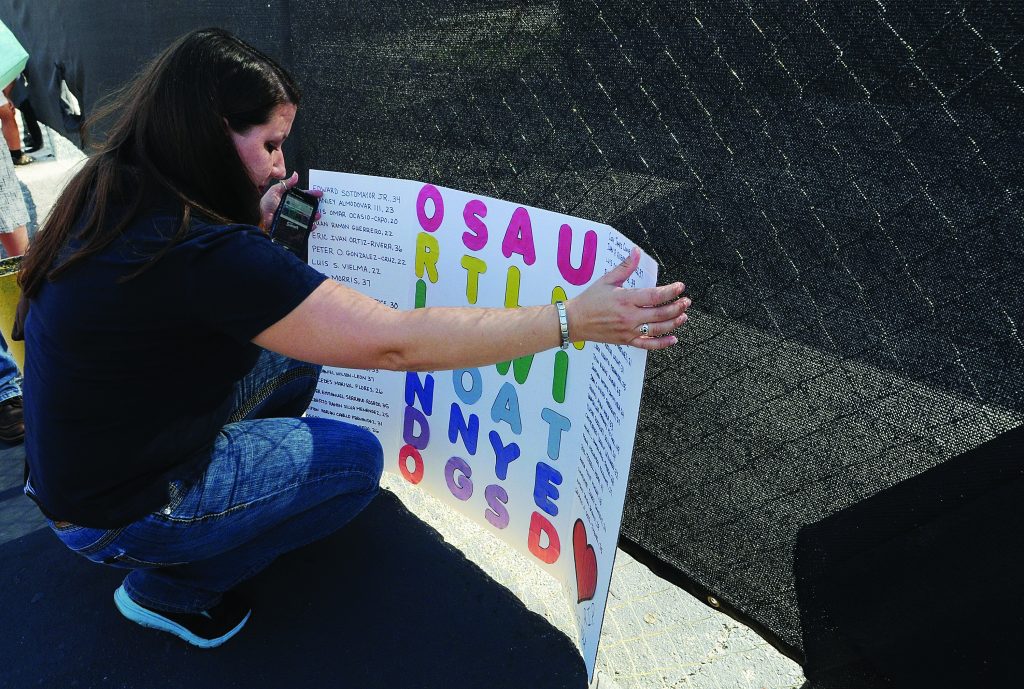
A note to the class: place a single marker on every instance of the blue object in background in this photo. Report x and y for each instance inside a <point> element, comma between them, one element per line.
<point>10,377</point>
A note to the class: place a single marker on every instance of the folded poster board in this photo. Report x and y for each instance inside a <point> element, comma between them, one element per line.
<point>536,450</point>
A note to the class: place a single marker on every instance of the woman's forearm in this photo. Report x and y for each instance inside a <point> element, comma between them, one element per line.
<point>338,326</point>
<point>441,338</point>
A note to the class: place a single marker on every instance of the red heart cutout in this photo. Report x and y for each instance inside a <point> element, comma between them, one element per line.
<point>586,563</point>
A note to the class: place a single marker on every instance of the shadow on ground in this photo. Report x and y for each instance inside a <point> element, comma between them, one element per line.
<point>383,603</point>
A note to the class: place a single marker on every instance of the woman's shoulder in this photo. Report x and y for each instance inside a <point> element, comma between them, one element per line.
<point>173,220</point>
<point>206,230</point>
<point>163,211</point>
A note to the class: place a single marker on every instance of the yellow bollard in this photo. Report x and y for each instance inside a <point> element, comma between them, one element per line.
<point>9,294</point>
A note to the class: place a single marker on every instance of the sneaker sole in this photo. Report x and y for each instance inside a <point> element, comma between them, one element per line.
<point>147,618</point>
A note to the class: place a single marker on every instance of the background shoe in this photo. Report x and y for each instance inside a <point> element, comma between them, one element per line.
<point>206,629</point>
<point>12,420</point>
<point>22,158</point>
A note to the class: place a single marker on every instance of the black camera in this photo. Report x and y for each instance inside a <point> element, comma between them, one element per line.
<point>293,221</point>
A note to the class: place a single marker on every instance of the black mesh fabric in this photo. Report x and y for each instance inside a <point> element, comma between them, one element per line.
<point>839,184</point>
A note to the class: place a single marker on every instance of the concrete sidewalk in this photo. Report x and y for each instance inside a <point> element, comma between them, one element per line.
<point>656,636</point>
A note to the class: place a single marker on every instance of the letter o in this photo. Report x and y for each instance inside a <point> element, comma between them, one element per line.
<point>471,395</point>
<point>429,191</point>
<point>414,475</point>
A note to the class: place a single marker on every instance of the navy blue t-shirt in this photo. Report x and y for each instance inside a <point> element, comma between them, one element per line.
<point>128,382</point>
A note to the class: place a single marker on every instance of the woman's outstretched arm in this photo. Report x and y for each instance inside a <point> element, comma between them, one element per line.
<point>338,326</point>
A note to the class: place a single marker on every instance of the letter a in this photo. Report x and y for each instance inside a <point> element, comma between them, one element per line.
<point>519,237</point>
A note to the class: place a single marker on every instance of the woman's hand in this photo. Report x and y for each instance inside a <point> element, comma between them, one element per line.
<point>272,199</point>
<point>607,312</point>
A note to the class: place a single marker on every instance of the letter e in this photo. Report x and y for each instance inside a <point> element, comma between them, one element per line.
<point>544,491</point>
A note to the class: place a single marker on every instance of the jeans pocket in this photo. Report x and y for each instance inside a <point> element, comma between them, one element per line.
<point>176,492</point>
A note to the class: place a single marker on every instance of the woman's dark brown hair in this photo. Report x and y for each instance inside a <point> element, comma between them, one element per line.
<point>170,136</point>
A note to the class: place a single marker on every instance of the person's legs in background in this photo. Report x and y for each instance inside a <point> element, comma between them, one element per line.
<point>13,210</point>
<point>14,238</point>
<point>33,132</point>
<point>9,125</point>
<point>15,242</point>
<point>12,419</point>
<point>19,96</point>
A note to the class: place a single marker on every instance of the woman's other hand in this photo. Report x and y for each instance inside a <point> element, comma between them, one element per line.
<point>645,317</point>
<point>272,199</point>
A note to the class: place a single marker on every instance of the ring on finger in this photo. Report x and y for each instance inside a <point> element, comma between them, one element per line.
<point>283,183</point>
<point>645,329</point>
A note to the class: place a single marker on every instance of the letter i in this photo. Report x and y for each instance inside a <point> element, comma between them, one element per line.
<point>421,294</point>
<point>512,288</point>
<point>560,379</point>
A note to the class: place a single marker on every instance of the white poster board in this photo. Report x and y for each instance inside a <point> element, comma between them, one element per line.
<point>537,450</point>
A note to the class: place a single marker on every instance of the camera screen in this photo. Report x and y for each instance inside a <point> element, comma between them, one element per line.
<point>293,222</point>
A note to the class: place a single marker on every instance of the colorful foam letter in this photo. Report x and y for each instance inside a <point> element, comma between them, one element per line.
<point>459,427</point>
<point>581,275</point>
<point>503,455</point>
<point>557,425</point>
<point>519,237</point>
<point>414,475</point>
<point>471,395</point>
<point>497,513</point>
<point>427,253</point>
<point>476,238</point>
<point>539,525</point>
<point>457,474</point>
<point>506,408</point>
<point>431,223</point>
<point>422,391</point>
<point>413,418</point>
<point>544,488</point>
<point>474,268</point>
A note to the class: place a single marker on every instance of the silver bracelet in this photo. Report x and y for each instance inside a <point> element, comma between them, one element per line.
<point>563,323</point>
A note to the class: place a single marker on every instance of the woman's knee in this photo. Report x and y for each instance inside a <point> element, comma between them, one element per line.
<point>369,449</point>
<point>350,446</point>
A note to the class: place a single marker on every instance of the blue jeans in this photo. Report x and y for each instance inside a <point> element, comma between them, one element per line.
<point>9,375</point>
<point>274,484</point>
